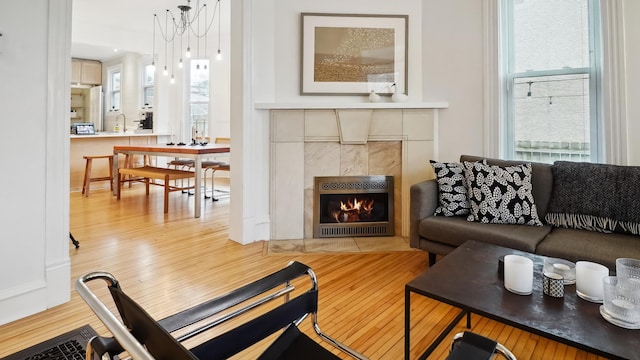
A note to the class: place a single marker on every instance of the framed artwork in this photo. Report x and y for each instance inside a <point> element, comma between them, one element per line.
<point>352,54</point>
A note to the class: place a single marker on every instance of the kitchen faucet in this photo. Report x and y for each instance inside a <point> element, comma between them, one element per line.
<point>124,121</point>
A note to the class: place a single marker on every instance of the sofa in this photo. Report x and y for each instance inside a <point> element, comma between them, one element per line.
<point>594,215</point>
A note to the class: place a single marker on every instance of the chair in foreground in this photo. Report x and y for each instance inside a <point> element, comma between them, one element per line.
<point>470,346</point>
<point>145,338</point>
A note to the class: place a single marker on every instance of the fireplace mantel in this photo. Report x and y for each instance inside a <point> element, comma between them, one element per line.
<point>311,139</point>
<point>363,105</point>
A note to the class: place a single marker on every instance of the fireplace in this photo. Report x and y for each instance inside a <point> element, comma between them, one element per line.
<point>346,206</point>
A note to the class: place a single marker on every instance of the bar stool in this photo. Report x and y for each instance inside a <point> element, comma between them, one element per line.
<point>87,173</point>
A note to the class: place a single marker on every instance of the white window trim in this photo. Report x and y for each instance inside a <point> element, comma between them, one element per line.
<point>109,98</point>
<point>143,84</point>
<point>187,96</point>
<point>494,72</point>
<point>613,144</point>
<point>614,86</point>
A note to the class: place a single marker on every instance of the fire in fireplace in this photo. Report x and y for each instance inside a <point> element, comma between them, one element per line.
<point>353,206</point>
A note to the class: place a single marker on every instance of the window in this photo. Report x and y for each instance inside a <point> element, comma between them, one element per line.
<point>199,97</point>
<point>114,88</point>
<point>552,91</point>
<point>148,79</point>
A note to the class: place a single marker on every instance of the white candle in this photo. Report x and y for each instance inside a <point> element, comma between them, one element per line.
<point>518,274</point>
<point>561,267</point>
<point>589,280</point>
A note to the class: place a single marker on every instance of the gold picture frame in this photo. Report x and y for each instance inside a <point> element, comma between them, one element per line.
<point>353,54</point>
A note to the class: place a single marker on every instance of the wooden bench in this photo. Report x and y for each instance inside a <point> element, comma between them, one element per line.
<point>145,173</point>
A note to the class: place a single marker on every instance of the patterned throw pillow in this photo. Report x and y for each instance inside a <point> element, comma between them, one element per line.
<point>501,195</point>
<point>452,189</point>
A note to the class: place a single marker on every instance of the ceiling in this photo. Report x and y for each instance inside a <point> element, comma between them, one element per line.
<point>99,26</point>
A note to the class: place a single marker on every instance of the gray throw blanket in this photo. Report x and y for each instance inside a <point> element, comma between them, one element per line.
<point>595,197</point>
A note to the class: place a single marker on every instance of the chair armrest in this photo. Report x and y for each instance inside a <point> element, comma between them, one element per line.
<point>423,203</point>
<point>101,345</point>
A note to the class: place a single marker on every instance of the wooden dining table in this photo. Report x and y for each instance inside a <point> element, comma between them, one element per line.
<point>196,152</point>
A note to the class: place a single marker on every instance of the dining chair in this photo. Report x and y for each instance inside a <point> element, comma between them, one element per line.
<point>213,166</point>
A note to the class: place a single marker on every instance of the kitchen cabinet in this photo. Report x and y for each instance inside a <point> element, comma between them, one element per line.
<point>87,72</point>
<point>77,108</point>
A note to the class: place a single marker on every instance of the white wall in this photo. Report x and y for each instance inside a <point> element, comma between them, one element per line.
<point>452,71</point>
<point>34,98</point>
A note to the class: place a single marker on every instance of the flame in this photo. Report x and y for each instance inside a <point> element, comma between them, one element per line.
<point>356,205</point>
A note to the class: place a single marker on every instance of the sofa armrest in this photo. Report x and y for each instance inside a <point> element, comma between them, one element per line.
<point>423,203</point>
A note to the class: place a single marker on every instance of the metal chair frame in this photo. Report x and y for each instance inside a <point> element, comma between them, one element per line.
<point>477,347</point>
<point>208,315</point>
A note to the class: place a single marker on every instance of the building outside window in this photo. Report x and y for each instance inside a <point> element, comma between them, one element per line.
<point>552,90</point>
<point>114,89</point>
<point>148,80</point>
<point>199,97</point>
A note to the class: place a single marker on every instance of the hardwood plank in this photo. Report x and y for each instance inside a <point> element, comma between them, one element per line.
<point>173,261</point>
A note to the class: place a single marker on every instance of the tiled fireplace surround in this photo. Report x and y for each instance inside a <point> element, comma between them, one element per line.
<point>339,142</point>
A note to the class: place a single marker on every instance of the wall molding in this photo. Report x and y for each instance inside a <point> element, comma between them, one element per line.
<point>614,84</point>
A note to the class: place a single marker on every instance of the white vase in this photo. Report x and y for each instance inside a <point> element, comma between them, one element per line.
<point>396,97</point>
<point>373,97</point>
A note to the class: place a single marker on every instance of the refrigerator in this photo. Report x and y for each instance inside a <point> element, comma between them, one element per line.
<point>96,101</point>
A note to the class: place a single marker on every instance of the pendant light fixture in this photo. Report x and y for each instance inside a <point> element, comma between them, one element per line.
<point>191,21</point>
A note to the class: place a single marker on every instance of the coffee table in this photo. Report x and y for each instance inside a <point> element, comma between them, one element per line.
<point>467,278</point>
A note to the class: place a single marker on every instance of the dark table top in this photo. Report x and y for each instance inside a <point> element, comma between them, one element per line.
<point>468,278</point>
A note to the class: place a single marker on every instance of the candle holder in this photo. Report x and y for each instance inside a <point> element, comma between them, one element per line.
<point>553,284</point>
<point>618,308</point>
<point>518,274</point>
<point>562,267</point>
<point>589,280</point>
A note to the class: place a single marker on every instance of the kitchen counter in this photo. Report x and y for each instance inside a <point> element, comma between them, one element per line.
<point>102,143</point>
<point>115,134</point>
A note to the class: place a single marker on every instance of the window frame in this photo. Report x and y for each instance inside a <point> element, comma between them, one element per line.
<point>594,71</point>
<point>111,71</point>
<point>146,85</point>
<point>189,124</point>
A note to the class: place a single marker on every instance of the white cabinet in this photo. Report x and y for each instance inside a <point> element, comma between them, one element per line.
<point>87,72</point>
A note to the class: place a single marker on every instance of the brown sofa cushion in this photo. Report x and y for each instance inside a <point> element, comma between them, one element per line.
<point>591,245</point>
<point>455,231</point>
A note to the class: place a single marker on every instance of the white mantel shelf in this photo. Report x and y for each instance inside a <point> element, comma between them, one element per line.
<point>363,105</point>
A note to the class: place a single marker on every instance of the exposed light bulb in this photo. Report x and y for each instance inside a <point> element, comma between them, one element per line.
<point>180,65</point>
<point>188,54</point>
<point>165,72</point>
<point>219,55</point>
<point>153,66</point>
<point>173,79</point>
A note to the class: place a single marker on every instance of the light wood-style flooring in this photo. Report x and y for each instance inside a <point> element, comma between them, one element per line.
<point>170,262</point>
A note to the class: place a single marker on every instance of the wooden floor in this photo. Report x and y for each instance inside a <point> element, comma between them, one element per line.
<point>169,262</point>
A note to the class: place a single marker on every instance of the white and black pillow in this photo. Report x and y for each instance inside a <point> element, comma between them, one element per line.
<point>452,189</point>
<point>501,195</point>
